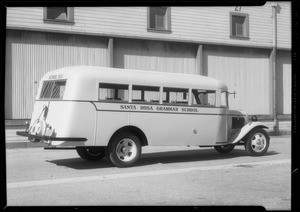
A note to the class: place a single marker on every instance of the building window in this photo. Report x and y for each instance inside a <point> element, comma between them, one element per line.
<point>239,25</point>
<point>159,19</point>
<point>59,14</point>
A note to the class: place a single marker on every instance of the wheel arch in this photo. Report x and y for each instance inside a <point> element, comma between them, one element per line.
<point>244,132</point>
<point>134,130</point>
<point>245,137</point>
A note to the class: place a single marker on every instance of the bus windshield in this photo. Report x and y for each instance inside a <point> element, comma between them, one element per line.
<point>224,99</point>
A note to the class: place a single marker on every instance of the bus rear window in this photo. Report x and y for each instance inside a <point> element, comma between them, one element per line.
<point>53,89</point>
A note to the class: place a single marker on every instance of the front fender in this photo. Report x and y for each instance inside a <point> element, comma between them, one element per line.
<point>237,136</point>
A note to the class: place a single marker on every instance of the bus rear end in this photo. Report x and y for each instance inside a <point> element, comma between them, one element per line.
<point>58,120</point>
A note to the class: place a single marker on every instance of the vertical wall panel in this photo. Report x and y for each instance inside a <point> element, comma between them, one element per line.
<point>284,24</point>
<point>245,71</point>
<point>155,56</point>
<point>284,82</point>
<point>35,53</point>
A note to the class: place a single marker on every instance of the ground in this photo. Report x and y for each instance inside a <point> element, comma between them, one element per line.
<point>164,176</point>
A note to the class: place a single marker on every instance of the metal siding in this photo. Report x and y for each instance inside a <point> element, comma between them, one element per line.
<point>34,54</point>
<point>284,82</point>
<point>245,71</point>
<point>287,87</point>
<point>155,56</point>
<point>284,25</point>
<point>195,24</point>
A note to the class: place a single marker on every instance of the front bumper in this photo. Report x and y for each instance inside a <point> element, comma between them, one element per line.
<point>48,138</point>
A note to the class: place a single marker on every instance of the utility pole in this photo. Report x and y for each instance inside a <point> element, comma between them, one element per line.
<point>273,55</point>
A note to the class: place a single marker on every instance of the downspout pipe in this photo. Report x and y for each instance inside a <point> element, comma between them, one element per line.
<point>274,15</point>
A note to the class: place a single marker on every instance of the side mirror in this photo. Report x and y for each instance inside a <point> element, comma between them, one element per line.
<point>232,93</point>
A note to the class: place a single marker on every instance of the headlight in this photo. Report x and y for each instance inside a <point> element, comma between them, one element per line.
<point>254,118</point>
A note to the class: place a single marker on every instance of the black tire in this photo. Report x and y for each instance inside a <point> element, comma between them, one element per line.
<point>91,153</point>
<point>124,150</point>
<point>257,142</point>
<point>224,149</point>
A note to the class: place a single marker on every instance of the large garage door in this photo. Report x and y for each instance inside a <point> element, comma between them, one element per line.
<point>245,71</point>
<point>29,55</point>
<point>155,56</point>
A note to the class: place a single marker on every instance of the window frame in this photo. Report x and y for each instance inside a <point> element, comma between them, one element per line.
<point>51,90</point>
<point>226,98</point>
<point>167,16</point>
<point>208,91</point>
<point>137,87</point>
<point>70,17</point>
<point>114,100</point>
<point>246,26</point>
<point>167,90</point>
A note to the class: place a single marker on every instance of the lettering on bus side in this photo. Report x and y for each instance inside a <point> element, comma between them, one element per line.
<point>159,108</point>
<point>187,109</point>
<point>167,108</point>
<point>55,76</point>
<point>126,107</point>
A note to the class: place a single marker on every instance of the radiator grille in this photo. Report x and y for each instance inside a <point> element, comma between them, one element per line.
<point>237,122</point>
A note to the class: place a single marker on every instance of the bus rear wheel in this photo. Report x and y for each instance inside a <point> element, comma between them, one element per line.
<point>124,150</point>
<point>91,153</point>
<point>224,149</point>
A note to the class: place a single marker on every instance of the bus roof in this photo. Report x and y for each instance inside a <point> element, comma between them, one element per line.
<point>83,80</point>
<point>129,76</point>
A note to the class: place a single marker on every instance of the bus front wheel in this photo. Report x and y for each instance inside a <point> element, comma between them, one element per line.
<point>91,153</point>
<point>124,150</point>
<point>257,142</point>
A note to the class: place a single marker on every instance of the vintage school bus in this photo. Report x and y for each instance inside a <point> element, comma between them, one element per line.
<point>114,112</point>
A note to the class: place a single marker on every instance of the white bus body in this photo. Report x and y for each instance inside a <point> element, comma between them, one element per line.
<point>91,107</point>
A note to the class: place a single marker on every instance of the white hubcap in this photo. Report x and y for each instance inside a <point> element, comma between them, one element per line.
<point>126,150</point>
<point>258,142</point>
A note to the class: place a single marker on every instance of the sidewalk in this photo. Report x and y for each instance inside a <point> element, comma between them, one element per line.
<point>14,141</point>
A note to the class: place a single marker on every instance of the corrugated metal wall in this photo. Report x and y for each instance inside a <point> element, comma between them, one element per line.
<point>284,82</point>
<point>197,24</point>
<point>284,24</point>
<point>245,71</point>
<point>29,55</point>
<point>155,56</point>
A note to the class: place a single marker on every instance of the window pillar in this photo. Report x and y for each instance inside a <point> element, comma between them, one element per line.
<point>110,53</point>
<point>199,60</point>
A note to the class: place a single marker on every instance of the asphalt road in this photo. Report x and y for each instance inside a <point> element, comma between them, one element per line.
<point>163,176</point>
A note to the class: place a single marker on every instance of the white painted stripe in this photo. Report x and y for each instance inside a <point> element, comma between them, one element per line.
<point>141,174</point>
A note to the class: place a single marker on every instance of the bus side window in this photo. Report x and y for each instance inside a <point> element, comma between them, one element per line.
<point>175,95</point>
<point>145,94</point>
<point>109,91</point>
<point>204,97</point>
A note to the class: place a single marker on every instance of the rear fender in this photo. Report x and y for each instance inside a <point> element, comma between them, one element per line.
<point>237,136</point>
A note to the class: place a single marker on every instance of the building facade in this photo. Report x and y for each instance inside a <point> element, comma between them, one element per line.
<point>249,48</point>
